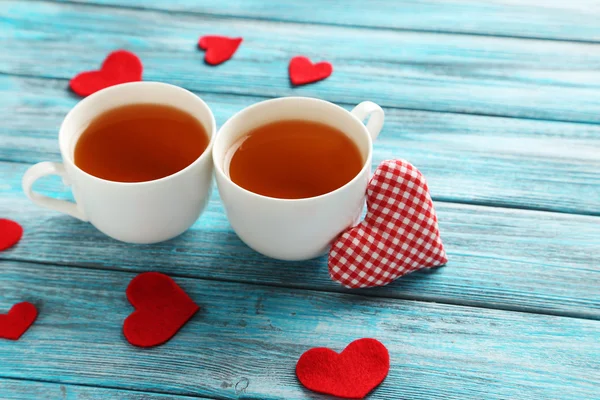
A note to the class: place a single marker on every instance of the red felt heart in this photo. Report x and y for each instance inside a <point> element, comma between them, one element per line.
<point>352,374</point>
<point>17,321</point>
<point>10,233</point>
<point>218,48</point>
<point>120,66</point>
<point>398,235</point>
<point>161,309</point>
<point>303,71</point>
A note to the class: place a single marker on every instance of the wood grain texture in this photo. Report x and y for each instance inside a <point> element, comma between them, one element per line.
<point>507,266</point>
<point>465,74</point>
<point>246,339</point>
<point>546,19</point>
<point>468,159</point>
<point>501,258</point>
<point>11,389</point>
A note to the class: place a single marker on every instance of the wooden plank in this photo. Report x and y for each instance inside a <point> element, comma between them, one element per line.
<point>469,159</point>
<point>457,73</point>
<point>31,390</point>
<point>547,19</point>
<point>500,258</point>
<point>246,339</point>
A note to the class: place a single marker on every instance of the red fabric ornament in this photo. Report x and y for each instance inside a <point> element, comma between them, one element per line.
<point>161,309</point>
<point>17,321</point>
<point>398,235</point>
<point>10,233</point>
<point>352,374</point>
<point>303,71</point>
<point>218,48</point>
<point>120,66</point>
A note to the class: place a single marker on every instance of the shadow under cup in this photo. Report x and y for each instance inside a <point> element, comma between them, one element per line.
<point>295,229</point>
<point>134,212</point>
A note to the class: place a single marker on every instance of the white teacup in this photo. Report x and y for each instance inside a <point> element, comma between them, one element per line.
<point>140,212</point>
<point>297,229</point>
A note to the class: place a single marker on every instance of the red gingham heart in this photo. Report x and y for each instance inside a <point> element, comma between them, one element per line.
<point>399,234</point>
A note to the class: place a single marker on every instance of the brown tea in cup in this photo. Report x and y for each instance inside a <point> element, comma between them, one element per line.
<point>140,142</point>
<point>294,159</point>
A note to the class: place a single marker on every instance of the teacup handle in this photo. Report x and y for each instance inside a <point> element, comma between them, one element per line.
<point>375,114</point>
<point>49,168</point>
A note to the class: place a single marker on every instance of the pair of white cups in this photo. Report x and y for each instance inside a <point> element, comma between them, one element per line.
<point>153,211</point>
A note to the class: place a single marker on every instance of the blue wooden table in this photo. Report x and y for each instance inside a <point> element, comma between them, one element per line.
<point>497,102</point>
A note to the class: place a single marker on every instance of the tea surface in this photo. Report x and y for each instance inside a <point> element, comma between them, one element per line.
<point>140,142</point>
<point>295,159</point>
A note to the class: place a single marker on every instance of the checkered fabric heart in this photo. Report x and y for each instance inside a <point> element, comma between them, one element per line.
<point>399,234</point>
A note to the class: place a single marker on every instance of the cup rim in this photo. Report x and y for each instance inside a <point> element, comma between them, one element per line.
<point>366,166</point>
<point>115,88</point>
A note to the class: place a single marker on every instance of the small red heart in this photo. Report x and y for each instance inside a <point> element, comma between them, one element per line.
<point>120,66</point>
<point>399,234</point>
<point>303,71</point>
<point>218,48</point>
<point>10,233</point>
<point>352,374</point>
<point>161,309</point>
<point>17,321</point>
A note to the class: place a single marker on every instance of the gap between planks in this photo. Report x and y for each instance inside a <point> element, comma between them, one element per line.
<point>345,103</point>
<point>115,388</point>
<point>342,290</point>
<point>315,23</point>
<point>500,204</point>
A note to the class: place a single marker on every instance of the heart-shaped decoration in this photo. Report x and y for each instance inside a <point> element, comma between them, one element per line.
<point>218,48</point>
<point>10,233</point>
<point>352,374</point>
<point>17,321</point>
<point>399,234</point>
<point>120,66</point>
<point>161,309</point>
<point>303,71</point>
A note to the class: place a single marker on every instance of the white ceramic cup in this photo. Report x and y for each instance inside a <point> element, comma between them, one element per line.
<point>297,229</point>
<point>139,212</point>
